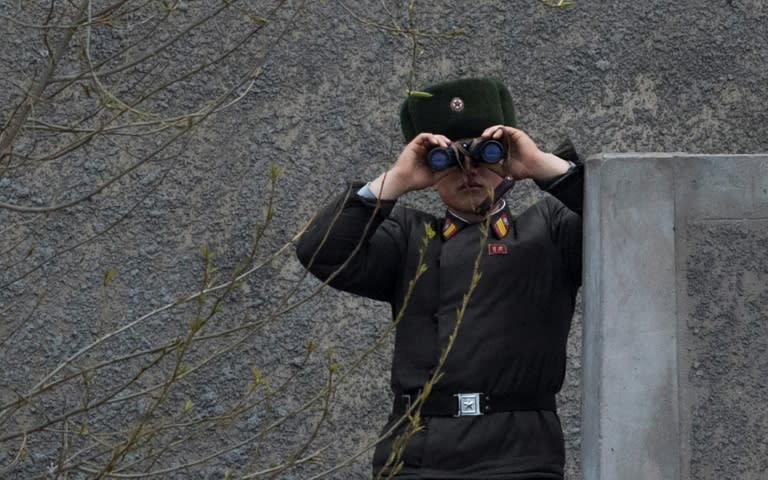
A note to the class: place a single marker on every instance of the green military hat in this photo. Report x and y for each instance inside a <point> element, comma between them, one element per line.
<point>457,109</point>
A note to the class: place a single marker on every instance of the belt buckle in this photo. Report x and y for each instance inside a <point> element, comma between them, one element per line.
<point>468,404</point>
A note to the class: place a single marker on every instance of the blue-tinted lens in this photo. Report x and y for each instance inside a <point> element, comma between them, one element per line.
<point>491,151</point>
<point>440,158</point>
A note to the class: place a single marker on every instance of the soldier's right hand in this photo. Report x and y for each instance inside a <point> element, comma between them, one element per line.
<point>411,170</point>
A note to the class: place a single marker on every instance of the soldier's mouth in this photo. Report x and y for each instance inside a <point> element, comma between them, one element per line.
<point>471,186</point>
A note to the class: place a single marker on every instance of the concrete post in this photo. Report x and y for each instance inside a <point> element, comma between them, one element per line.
<point>676,250</point>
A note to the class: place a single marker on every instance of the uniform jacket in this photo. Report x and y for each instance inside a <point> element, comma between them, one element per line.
<point>511,339</point>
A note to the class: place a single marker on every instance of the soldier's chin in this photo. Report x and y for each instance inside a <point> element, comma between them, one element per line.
<point>470,203</point>
<point>477,196</point>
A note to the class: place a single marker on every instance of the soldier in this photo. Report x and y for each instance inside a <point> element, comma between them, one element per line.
<point>492,414</point>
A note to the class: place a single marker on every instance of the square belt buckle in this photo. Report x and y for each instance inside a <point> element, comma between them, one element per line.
<point>469,404</point>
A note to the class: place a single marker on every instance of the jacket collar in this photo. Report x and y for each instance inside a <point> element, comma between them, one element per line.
<point>500,222</point>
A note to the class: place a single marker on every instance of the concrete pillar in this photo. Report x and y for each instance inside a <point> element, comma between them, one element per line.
<point>675,354</point>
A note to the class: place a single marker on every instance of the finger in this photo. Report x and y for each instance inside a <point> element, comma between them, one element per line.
<point>422,143</point>
<point>429,140</point>
<point>513,132</point>
<point>496,132</point>
<point>515,137</point>
<point>443,140</point>
<point>490,131</point>
<point>421,139</point>
<point>437,140</point>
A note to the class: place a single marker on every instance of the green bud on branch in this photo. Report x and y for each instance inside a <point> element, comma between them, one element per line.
<point>109,275</point>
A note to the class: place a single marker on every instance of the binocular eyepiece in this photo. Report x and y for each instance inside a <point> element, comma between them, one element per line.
<point>479,150</point>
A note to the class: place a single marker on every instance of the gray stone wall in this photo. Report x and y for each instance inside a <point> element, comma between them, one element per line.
<point>727,339</point>
<point>109,274</point>
<point>675,317</point>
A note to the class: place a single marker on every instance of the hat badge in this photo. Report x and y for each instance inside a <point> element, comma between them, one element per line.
<point>457,104</point>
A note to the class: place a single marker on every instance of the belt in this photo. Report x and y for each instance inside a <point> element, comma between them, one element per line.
<point>442,404</point>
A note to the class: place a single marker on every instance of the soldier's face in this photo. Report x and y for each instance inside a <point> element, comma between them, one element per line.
<point>463,189</point>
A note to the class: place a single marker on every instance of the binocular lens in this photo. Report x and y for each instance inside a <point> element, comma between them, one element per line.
<point>491,151</point>
<point>487,151</point>
<point>440,158</point>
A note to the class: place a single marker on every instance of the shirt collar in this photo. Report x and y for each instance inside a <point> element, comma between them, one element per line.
<point>501,206</point>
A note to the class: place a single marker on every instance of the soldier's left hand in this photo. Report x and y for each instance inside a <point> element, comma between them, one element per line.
<point>524,158</point>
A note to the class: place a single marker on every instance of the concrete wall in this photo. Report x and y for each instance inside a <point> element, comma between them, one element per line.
<point>676,318</point>
<point>328,78</point>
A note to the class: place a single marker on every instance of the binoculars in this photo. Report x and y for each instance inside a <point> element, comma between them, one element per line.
<point>479,150</point>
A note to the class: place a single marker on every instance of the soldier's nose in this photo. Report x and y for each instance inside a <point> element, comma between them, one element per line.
<point>467,164</point>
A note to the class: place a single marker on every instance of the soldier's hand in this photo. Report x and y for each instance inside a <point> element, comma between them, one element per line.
<point>524,158</point>
<point>411,170</point>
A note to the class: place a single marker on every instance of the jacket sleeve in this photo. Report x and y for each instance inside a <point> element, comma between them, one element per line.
<point>565,215</point>
<point>568,187</point>
<point>354,246</point>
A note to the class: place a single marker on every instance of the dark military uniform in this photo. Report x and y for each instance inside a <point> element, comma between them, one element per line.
<point>511,344</point>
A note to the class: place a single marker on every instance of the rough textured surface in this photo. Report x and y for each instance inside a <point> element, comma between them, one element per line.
<point>675,317</point>
<point>614,76</point>
<point>722,312</point>
<point>630,388</point>
<point>726,274</point>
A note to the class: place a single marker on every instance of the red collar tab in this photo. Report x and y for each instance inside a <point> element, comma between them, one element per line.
<point>450,228</point>
<point>500,225</point>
